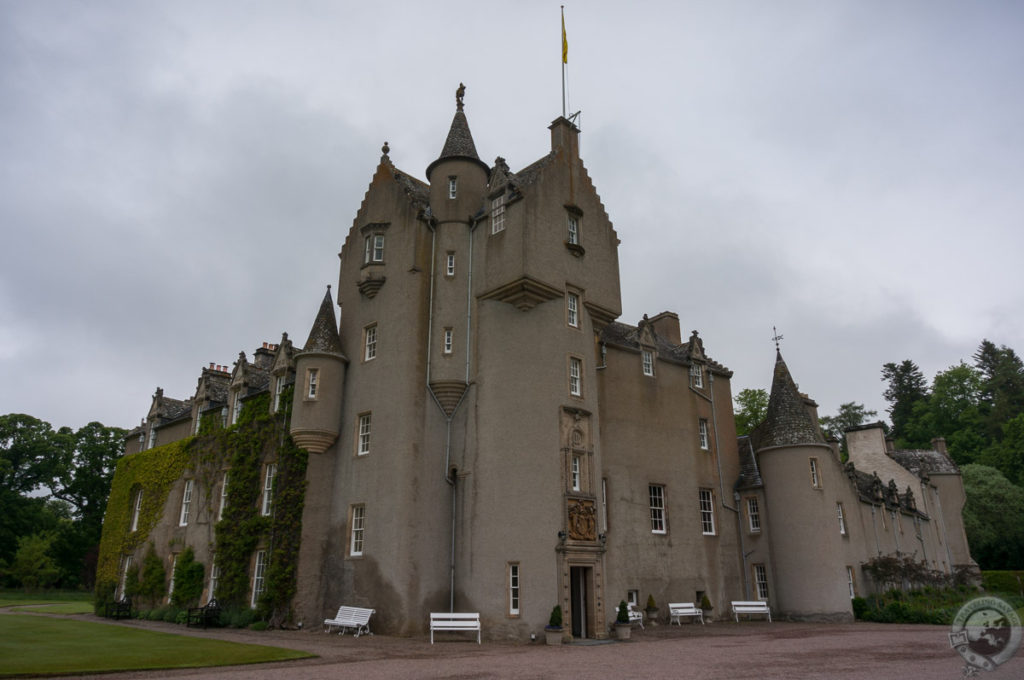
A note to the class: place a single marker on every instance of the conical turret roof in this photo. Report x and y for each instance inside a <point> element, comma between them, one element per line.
<point>323,337</point>
<point>788,421</point>
<point>459,143</point>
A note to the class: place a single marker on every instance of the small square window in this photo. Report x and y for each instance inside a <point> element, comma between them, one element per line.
<point>449,269</point>
<point>452,187</point>
<point>373,248</point>
<point>447,340</point>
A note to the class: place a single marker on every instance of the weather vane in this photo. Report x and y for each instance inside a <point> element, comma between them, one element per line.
<point>776,337</point>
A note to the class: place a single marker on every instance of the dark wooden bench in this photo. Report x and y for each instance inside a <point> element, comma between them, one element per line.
<point>119,609</point>
<point>204,616</point>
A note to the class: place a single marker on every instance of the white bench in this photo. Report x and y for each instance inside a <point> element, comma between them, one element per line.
<point>350,617</point>
<point>750,607</point>
<point>677,610</point>
<point>454,621</point>
<point>635,615</point>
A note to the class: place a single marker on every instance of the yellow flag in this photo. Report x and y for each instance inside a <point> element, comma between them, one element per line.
<point>565,43</point>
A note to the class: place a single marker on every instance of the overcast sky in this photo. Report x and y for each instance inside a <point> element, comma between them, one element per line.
<point>176,178</point>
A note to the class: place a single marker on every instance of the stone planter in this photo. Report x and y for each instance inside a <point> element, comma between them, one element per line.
<point>652,616</point>
<point>623,630</point>
<point>553,636</point>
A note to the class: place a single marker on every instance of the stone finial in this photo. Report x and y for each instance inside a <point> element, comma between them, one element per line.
<point>459,94</point>
<point>385,150</point>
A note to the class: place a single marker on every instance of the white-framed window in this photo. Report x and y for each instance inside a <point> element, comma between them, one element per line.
<point>753,515</point>
<point>647,360</point>
<point>370,343</point>
<point>136,509</point>
<point>573,226</point>
<point>268,488</point>
<point>174,568</point>
<point>815,477</point>
<point>449,266</point>
<point>575,473</point>
<point>363,445</point>
<point>447,340</point>
<point>513,589</point>
<point>633,597</point>
<point>355,548</point>
<point>278,389</point>
<point>851,582</point>
<point>575,377</point>
<point>761,581</point>
<point>126,564</point>
<point>312,382</point>
<point>702,431</point>
<point>214,577</point>
<point>453,187</point>
<point>697,375</point>
<point>223,496</point>
<point>572,309</point>
<point>186,502</point>
<point>152,437</point>
<point>236,407</point>
<point>373,248</point>
<point>656,492</point>
<point>842,518</point>
<point>199,418</point>
<point>707,512</point>
<point>498,214</point>
<point>257,576</point>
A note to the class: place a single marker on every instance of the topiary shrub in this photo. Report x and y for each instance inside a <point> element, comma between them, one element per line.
<point>188,580</point>
<point>623,615</point>
<point>556,617</point>
<point>860,606</point>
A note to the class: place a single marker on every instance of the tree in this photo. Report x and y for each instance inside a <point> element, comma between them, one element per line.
<point>31,453</point>
<point>188,580</point>
<point>86,483</point>
<point>1002,389</point>
<point>907,386</point>
<point>751,409</point>
<point>992,518</point>
<point>850,415</point>
<point>153,584</point>
<point>951,410</point>
<point>33,567</point>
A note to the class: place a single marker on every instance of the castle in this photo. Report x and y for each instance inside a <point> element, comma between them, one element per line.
<point>483,435</point>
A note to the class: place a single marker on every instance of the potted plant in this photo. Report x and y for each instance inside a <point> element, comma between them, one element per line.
<point>553,631</point>
<point>622,627</point>
<point>705,605</point>
<point>652,610</point>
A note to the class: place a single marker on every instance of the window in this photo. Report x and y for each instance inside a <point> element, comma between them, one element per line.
<point>278,389</point>
<point>370,343</point>
<point>214,577</point>
<point>186,502</point>
<point>604,504</point>
<point>136,509</point>
<point>753,515</point>
<point>633,597</point>
<point>852,582</point>
<point>707,512</point>
<point>126,565</point>
<point>697,375</point>
<point>257,576</point>
<point>702,429</point>
<point>575,377</point>
<point>449,267</point>
<point>358,524</point>
<point>453,187</point>
<point>572,309</point>
<point>447,340</point>
<point>152,437</point>
<point>236,407</point>
<point>657,495</point>
<point>648,362</point>
<point>268,488</point>
<point>195,425</point>
<point>575,473</point>
<point>761,581</point>
<point>513,589</point>
<point>498,214</point>
<point>815,478</point>
<point>573,224</point>
<point>174,567</point>
<point>373,248</point>
<point>842,518</point>
<point>313,381</point>
<point>223,496</point>
<point>363,446</point>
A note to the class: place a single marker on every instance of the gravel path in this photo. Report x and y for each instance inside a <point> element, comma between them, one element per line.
<point>859,651</point>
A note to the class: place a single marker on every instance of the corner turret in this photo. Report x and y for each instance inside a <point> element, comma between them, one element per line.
<point>458,178</point>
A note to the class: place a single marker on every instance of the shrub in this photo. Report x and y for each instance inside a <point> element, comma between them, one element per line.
<point>623,615</point>
<point>259,625</point>
<point>153,585</point>
<point>188,580</point>
<point>556,617</point>
<point>860,606</point>
<point>1003,581</point>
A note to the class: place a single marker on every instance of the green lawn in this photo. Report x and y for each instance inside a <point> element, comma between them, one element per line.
<point>56,608</point>
<point>39,645</point>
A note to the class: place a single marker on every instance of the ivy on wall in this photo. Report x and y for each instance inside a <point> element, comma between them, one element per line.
<point>259,437</point>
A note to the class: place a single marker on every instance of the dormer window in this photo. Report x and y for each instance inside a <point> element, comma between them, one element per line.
<point>647,358</point>
<point>697,376</point>
<point>452,187</point>
<point>236,409</point>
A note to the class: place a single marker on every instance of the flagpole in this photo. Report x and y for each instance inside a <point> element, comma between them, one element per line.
<point>565,59</point>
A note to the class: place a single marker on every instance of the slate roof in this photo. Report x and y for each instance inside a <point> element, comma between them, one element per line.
<point>921,462</point>
<point>871,489</point>
<point>624,335</point>
<point>459,144</point>
<point>750,473</point>
<point>788,421</point>
<point>323,336</point>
